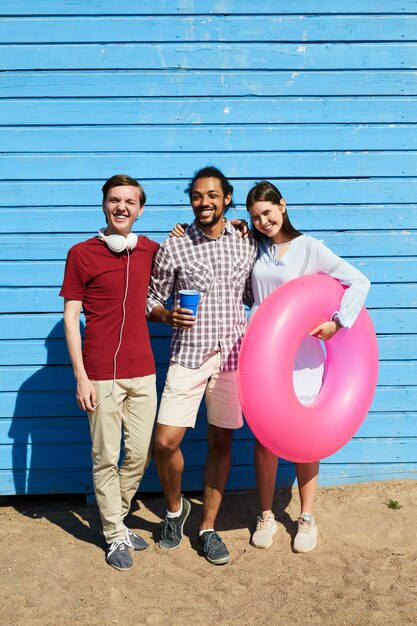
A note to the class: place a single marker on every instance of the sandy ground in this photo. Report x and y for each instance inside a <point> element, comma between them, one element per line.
<point>364,570</point>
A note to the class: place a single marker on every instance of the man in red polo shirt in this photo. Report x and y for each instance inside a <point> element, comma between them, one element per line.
<point>107,276</point>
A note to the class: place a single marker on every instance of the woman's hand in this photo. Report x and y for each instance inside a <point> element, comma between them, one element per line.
<point>326,330</point>
<point>242,227</point>
<point>178,230</point>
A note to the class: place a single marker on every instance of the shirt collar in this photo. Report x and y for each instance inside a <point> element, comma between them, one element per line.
<point>195,231</point>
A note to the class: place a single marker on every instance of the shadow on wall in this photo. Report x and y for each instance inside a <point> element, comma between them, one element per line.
<point>51,449</point>
<point>51,440</point>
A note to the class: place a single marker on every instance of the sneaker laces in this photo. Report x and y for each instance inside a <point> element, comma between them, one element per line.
<point>167,529</point>
<point>128,540</point>
<point>212,542</point>
<point>305,525</point>
<point>264,521</point>
<point>121,544</point>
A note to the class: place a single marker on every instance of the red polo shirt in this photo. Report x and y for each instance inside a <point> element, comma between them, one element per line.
<point>97,277</point>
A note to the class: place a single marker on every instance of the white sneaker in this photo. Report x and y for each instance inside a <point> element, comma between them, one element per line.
<point>306,537</point>
<point>266,527</point>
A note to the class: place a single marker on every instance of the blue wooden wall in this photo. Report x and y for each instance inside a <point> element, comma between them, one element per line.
<point>321,100</point>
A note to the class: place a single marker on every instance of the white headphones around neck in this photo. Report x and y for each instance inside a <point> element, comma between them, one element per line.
<point>118,243</point>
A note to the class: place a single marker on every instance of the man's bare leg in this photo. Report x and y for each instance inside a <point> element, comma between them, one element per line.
<point>170,462</point>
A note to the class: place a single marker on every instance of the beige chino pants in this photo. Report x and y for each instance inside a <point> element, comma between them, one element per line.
<point>130,410</point>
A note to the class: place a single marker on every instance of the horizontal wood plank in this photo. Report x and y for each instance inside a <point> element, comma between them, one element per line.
<point>205,7</point>
<point>193,110</point>
<point>247,164</point>
<point>44,481</point>
<point>125,83</point>
<point>219,28</point>
<point>237,138</point>
<point>210,56</point>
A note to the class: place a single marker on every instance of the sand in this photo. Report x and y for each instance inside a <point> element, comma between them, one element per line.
<point>363,571</point>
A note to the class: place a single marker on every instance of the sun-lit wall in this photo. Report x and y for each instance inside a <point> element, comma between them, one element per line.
<point>321,100</point>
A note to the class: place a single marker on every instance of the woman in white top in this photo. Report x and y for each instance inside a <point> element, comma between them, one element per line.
<point>284,254</point>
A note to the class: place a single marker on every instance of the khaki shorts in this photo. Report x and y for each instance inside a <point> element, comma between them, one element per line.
<point>185,387</point>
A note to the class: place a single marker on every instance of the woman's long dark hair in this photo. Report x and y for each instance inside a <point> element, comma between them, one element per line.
<point>264,191</point>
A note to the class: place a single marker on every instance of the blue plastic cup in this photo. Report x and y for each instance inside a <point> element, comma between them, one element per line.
<point>189,299</point>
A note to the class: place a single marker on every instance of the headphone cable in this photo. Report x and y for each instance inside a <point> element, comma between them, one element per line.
<point>121,331</point>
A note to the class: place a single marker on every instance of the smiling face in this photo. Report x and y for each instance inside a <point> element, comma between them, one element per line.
<point>121,208</point>
<point>209,203</point>
<point>268,218</point>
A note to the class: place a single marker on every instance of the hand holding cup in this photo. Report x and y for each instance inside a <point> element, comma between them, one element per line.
<point>184,316</point>
<point>189,299</point>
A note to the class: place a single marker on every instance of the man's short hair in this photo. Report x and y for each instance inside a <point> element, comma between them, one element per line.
<point>120,180</point>
<point>212,172</point>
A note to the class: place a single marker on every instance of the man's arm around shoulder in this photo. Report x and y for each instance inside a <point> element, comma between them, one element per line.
<point>86,394</point>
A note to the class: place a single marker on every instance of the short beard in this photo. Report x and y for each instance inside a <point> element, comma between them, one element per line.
<point>215,219</point>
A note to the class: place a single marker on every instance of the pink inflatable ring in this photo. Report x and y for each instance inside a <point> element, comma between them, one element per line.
<point>278,420</point>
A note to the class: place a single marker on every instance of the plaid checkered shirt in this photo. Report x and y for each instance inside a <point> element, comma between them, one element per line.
<point>220,270</point>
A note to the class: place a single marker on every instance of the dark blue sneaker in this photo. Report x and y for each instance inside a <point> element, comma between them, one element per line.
<point>172,528</point>
<point>118,555</point>
<point>135,542</point>
<point>213,548</point>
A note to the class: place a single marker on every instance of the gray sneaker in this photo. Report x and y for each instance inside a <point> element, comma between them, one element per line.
<point>172,528</point>
<point>118,555</point>
<point>306,537</point>
<point>266,527</point>
<point>135,542</point>
<point>213,548</point>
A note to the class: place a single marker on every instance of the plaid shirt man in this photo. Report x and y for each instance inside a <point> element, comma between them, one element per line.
<point>220,270</point>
